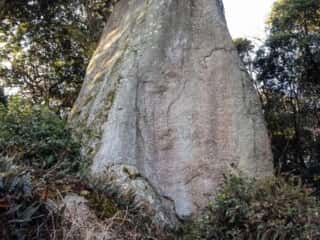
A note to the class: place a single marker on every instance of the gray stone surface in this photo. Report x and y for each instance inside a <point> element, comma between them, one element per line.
<point>165,92</point>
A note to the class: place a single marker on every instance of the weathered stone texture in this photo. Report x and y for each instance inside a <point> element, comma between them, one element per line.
<point>166,93</point>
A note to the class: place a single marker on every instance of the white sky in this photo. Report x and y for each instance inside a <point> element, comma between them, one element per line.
<point>246,18</point>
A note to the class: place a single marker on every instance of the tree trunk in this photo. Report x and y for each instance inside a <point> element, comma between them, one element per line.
<point>166,94</point>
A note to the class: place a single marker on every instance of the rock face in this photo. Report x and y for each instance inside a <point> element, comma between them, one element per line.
<point>166,93</point>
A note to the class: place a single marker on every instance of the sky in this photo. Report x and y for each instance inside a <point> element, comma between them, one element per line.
<point>246,18</point>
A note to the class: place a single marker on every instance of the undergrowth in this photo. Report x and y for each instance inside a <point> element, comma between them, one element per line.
<point>34,136</point>
<point>40,163</point>
<point>273,209</point>
<point>31,208</point>
<point>25,212</point>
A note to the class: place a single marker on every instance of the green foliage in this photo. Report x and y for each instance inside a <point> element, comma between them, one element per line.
<point>104,206</point>
<point>42,52</point>
<point>34,136</point>
<point>260,210</point>
<point>98,12</point>
<point>286,70</point>
<point>46,46</point>
<point>295,15</point>
<point>245,48</point>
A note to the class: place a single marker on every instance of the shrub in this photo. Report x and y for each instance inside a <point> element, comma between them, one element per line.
<point>261,210</point>
<point>35,136</point>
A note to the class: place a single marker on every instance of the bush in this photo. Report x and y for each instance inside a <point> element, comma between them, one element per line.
<point>250,209</point>
<point>35,136</point>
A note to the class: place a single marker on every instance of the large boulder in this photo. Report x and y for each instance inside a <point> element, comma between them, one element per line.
<point>166,93</point>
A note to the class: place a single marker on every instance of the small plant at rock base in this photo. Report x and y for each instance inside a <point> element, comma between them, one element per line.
<point>104,207</point>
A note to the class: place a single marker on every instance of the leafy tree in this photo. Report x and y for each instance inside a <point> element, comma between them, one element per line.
<point>46,45</point>
<point>97,14</point>
<point>288,70</point>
